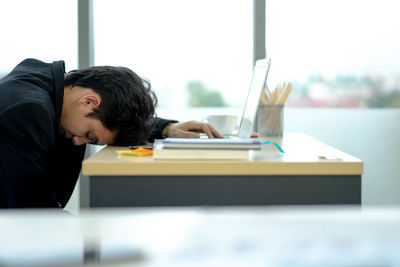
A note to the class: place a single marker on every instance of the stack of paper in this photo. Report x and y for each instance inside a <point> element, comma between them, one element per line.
<point>204,149</point>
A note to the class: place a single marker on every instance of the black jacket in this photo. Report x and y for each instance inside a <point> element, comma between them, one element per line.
<point>38,167</point>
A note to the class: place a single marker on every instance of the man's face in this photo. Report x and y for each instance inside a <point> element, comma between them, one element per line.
<point>82,130</point>
<point>74,123</point>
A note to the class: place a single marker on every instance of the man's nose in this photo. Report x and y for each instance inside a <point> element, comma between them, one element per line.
<point>79,140</point>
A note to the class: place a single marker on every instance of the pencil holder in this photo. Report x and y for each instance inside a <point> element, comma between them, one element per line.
<point>270,120</point>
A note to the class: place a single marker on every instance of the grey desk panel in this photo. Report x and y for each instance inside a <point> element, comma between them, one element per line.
<point>142,191</point>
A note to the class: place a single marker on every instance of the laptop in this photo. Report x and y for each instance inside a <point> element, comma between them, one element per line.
<point>242,131</point>
<point>246,122</point>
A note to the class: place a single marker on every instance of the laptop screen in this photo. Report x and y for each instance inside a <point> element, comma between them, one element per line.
<point>260,73</point>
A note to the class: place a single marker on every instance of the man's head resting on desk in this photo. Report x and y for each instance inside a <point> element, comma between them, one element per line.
<point>107,105</point>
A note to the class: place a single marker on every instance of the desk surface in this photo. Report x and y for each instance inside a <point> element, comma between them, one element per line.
<point>303,155</point>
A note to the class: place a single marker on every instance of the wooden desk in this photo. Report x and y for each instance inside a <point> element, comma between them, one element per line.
<point>310,172</point>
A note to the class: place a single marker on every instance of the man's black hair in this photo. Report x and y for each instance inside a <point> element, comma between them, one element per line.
<point>127,102</point>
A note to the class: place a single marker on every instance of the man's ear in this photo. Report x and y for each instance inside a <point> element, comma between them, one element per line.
<point>90,101</point>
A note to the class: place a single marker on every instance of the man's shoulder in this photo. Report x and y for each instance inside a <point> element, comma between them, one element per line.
<point>29,66</point>
<point>26,83</point>
<point>32,63</point>
<point>34,71</point>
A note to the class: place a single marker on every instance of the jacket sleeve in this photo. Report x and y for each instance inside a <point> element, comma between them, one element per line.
<point>26,143</point>
<point>159,127</point>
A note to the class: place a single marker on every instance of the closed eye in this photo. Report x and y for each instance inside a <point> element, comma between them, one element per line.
<point>93,140</point>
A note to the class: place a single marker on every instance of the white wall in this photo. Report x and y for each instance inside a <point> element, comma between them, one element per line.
<point>372,135</point>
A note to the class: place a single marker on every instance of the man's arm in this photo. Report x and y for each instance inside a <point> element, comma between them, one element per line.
<point>190,129</point>
<point>159,127</point>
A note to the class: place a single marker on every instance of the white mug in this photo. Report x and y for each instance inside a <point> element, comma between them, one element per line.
<point>224,124</point>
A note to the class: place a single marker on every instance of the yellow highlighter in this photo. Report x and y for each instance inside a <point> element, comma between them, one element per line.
<point>137,152</point>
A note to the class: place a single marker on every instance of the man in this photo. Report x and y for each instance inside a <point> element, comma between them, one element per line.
<point>47,117</point>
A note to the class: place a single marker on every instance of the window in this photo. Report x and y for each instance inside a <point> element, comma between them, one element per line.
<point>337,53</point>
<point>195,53</point>
<point>43,29</point>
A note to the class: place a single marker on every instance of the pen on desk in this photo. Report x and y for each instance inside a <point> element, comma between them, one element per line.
<point>135,147</point>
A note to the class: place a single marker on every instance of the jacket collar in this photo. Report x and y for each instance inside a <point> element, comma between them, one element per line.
<point>58,72</point>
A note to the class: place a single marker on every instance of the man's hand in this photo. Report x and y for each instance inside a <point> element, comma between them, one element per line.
<point>190,129</point>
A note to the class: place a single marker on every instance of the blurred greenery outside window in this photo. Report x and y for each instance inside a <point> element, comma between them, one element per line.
<point>336,53</point>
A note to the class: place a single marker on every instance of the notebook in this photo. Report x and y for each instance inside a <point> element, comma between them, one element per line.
<point>208,143</point>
